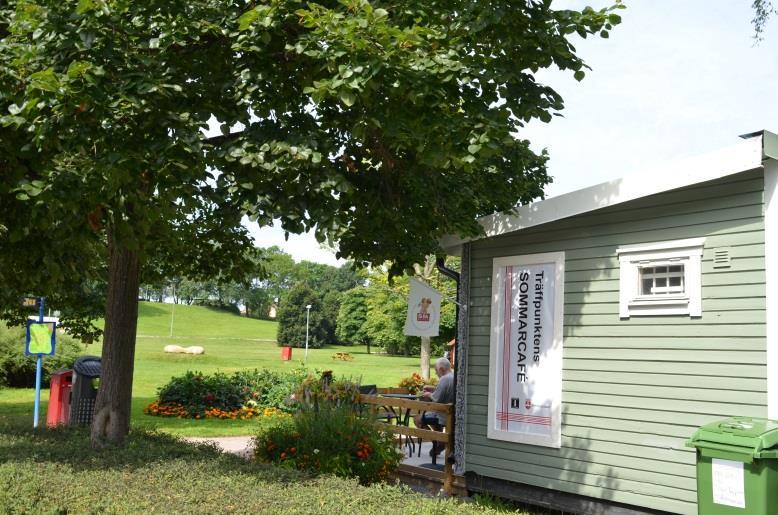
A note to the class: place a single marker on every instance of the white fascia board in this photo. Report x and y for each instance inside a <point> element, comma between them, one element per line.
<point>744,156</point>
<point>771,279</point>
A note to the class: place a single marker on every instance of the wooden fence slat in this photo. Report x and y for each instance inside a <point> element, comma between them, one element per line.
<point>434,436</point>
<point>414,431</point>
<point>405,403</point>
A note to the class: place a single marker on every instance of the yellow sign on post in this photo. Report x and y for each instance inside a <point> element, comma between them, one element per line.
<point>40,338</point>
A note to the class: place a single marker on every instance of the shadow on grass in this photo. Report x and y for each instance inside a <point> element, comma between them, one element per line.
<point>70,446</point>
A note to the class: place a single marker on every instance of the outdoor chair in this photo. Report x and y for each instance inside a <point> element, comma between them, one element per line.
<point>383,415</point>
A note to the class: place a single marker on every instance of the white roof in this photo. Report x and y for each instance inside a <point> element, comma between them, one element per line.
<point>746,155</point>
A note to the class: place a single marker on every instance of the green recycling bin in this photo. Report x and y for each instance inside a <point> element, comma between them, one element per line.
<point>737,467</point>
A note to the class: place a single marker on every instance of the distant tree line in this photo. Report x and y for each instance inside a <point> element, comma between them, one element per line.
<point>273,278</point>
<point>370,313</point>
<point>348,306</point>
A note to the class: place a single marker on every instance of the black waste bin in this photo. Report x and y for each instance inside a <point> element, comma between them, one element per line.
<point>82,402</point>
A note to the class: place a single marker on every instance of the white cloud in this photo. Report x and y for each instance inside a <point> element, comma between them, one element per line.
<point>302,247</point>
<point>674,79</point>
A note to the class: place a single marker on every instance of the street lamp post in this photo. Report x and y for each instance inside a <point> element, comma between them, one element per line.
<point>307,319</point>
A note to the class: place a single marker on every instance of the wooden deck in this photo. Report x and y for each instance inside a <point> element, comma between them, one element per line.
<point>419,469</point>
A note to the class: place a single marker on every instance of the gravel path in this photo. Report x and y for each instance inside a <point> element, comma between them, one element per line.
<point>239,445</point>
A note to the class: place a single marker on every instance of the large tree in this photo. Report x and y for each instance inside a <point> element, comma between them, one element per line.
<point>763,10</point>
<point>380,125</point>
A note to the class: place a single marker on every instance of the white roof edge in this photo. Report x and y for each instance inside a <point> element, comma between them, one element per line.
<point>744,156</point>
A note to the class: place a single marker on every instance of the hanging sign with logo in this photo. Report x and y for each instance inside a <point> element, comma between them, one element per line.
<point>423,318</point>
<point>525,379</point>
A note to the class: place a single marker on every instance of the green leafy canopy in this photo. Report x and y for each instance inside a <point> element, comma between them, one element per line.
<point>380,125</point>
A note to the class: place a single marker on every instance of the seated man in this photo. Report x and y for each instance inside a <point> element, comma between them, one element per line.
<point>443,393</point>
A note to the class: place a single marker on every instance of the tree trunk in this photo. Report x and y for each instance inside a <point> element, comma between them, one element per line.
<point>112,408</point>
<point>425,357</point>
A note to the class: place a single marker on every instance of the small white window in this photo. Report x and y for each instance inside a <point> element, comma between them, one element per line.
<point>662,278</point>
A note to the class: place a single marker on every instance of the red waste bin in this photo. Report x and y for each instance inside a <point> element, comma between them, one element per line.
<point>286,353</point>
<point>59,398</point>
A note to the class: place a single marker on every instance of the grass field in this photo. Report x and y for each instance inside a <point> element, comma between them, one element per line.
<point>231,343</point>
<point>58,472</point>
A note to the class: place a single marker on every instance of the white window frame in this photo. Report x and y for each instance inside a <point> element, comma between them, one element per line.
<point>679,252</point>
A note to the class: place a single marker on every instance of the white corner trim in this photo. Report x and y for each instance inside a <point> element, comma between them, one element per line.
<point>744,156</point>
<point>771,278</point>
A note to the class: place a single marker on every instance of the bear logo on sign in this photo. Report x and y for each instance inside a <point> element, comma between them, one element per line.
<point>424,305</point>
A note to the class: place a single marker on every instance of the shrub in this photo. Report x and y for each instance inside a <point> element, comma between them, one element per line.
<point>242,395</point>
<point>271,389</point>
<point>332,439</point>
<point>197,392</point>
<point>18,370</point>
<point>314,392</point>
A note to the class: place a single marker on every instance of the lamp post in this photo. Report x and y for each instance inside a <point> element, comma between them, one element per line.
<point>307,319</point>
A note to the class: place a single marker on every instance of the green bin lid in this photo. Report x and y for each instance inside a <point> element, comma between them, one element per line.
<point>739,434</point>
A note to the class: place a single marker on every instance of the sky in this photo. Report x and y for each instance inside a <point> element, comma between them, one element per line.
<point>675,79</point>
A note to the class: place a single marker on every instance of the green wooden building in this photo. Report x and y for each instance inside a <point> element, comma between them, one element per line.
<point>601,328</point>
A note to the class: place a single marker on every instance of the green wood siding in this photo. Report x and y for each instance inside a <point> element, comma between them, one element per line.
<point>634,390</point>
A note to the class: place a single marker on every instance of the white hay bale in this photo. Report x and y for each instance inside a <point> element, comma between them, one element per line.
<point>174,348</point>
<point>195,350</point>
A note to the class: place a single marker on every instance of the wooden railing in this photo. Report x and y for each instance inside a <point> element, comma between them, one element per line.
<point>447,438</point>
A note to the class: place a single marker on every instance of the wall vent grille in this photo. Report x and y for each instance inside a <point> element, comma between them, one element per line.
<point>721,258</point>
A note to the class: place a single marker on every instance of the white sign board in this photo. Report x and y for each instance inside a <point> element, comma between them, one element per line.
<point>728,483</point>
<point>423,318</point>
<point>525,375</point>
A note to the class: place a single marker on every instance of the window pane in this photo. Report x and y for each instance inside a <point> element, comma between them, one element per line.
<point>646,287</point>
<point>661,269</point>
<point>661,282</point>
<point>678,268</point>
<point>675,281</point>
<point>647,270</point>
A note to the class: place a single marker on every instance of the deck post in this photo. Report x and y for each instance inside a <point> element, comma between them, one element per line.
<point>448,454</point>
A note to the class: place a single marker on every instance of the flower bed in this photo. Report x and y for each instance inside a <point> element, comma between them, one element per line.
<point>328,434</point>
<point>172,409</point>
<point>241,396</point>
<point>330,440</point>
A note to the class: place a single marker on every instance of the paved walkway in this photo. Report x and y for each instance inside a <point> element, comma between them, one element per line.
<point>243,446</point>
<point>239,445</point>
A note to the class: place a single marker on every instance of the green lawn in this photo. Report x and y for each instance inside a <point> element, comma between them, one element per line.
<point>58,472</point>
<point>231,343</point>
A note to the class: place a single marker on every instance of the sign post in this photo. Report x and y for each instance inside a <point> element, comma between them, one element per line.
<point>41,341</point>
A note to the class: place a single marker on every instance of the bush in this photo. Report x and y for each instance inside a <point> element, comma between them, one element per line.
<point>269,389</point>
<point>18,370</point>
<point>197,393</point>
<point>314,392</point>
<point>332,439</point>
<point>244,394</point>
